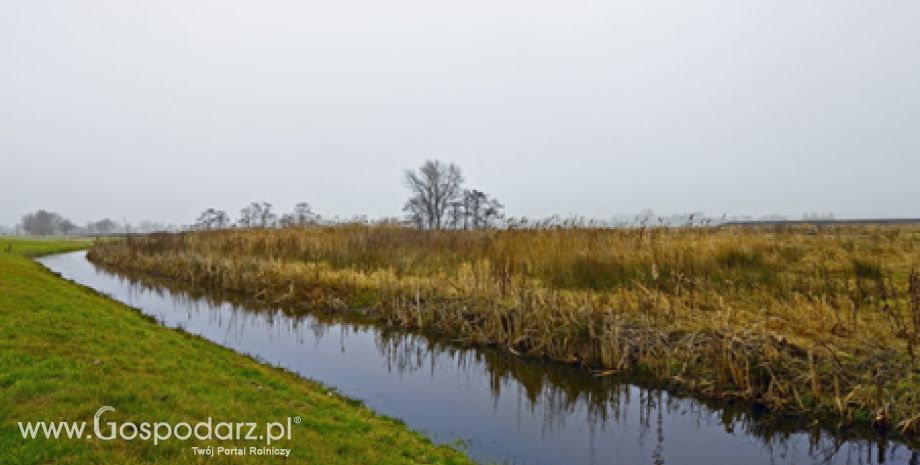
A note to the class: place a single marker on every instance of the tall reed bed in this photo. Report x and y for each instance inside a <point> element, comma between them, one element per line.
<point>799,319</point>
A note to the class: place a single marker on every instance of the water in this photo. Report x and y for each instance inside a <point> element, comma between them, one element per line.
<point>497,407</point>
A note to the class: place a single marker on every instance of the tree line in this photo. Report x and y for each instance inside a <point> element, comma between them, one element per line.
<point>437,200</point>
<point>48,223</point>
<point>258,215</point>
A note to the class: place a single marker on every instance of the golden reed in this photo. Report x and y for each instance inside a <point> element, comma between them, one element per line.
<point>803,319</point>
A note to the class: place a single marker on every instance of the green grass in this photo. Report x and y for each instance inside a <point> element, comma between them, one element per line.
<point>35,247</point>
<point>65,351</point>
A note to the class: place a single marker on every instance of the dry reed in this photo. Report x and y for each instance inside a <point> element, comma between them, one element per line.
<point>799,319</point>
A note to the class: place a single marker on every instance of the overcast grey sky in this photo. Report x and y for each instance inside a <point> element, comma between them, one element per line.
<point>159,109</point>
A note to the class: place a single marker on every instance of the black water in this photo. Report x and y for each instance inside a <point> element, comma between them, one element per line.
<point>498,407</point>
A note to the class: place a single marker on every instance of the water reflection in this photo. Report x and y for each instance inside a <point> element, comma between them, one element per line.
<point>501,408</point>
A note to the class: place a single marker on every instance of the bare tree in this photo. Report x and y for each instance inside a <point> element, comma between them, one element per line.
<point>302,215</point>
<point>474,201</point>
<point>221,219</point>
<point>481,209</point>
<point>212,219</point>
<point>457,215</point>
<point>433,187</point>
<point>415,212</point>
<point>205,219</point>
<point>257,214</point>
<point>492,211</point>
<point>248,216</point>
<point>266,216</point>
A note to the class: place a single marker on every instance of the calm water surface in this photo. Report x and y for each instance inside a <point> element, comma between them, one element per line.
<point>498,407</point>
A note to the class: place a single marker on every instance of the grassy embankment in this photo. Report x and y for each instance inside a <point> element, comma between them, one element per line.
<point>66,351</point>
<point>804,320</point>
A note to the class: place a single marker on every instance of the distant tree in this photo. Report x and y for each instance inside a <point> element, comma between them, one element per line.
<point>301,216</point>
<point>415,212</point>
<point>212,219</point>
<point>103,226</point>
<point>457,214</point>
<point>66,226</point>
<point>266,216</point>
<point>221,219</point>
<point>41,223</point>
<point>247,215</point>
<point>257,214</point>
<point>432,188</point>
<point>204,219</point>
<point>481,210</point>
<point>492,212</point>
<point>645,217</point>
<point>208,219</point>
<point>146,226</point>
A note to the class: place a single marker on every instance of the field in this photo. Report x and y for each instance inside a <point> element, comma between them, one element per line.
<point>66,351</point>
<point>803,320</point>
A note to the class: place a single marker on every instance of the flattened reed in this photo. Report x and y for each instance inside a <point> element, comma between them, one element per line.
<point>798,319</point>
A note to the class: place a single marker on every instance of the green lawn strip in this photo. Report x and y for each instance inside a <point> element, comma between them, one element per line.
<point>65,351</point>
<point>34,247</point>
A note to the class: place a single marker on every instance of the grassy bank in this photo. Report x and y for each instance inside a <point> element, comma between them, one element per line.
<point>66,351</point>
<point>803,320</point>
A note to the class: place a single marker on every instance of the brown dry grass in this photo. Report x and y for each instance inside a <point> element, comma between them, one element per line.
<point>800,319</point>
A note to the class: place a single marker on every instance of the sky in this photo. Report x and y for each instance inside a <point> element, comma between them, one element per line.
<point>144,110</point>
